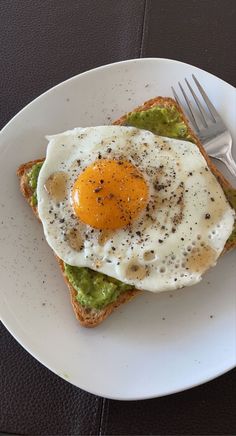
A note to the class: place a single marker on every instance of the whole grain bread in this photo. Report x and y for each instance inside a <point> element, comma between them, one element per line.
<point>93,317</point>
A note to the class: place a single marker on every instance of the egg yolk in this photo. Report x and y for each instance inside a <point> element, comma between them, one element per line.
<point>109,194</point>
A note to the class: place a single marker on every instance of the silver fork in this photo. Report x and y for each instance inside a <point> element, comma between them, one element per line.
<point>211,129</point>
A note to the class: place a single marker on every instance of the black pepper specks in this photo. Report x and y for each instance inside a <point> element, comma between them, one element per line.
<point>207,216</point>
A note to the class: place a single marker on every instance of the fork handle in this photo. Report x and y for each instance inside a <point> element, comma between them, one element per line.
<point>229,161</point>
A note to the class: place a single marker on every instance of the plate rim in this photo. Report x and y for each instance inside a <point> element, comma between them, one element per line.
<point>13,331</point>
<point>104,67</point>
<point>120,398</point>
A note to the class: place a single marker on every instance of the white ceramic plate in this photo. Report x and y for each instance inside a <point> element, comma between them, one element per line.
<point>156,345</point>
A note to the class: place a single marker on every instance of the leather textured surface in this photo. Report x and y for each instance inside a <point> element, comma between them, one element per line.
<point>201,33</point>
<point>35,401</point>
<point>208,409</point>
<point>44,42</point>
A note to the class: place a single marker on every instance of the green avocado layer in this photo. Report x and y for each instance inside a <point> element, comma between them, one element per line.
<point>32,180</point>
<point>160,121</point>
<point>231,197</point>
<point>96,290</point>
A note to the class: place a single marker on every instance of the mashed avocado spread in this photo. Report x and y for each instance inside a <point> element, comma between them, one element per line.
<point>96,290</point>
<point>32,180</point>
<point>231,197</point>
<point>161,121</point>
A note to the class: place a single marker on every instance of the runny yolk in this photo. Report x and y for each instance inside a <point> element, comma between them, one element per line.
<point>109,194</point>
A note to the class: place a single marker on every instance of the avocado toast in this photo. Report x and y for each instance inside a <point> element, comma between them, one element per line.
<point>93,295</point>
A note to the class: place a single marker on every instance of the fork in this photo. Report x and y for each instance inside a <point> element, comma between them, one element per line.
<point>209,127</point>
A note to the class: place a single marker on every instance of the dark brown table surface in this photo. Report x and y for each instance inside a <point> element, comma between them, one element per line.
<point>42,43</point>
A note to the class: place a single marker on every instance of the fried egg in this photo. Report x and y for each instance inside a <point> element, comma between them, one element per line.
<point>138,207</point>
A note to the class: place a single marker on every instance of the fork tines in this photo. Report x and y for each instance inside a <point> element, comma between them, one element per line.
<point>204,117</point>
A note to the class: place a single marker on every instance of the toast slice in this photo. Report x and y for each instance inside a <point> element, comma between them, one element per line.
<point>86,316</point>
<point>93,317</point>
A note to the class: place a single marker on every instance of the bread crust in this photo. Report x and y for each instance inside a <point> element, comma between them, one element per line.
<point>93,317</point>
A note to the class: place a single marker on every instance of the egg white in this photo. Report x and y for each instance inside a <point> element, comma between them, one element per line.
<point>182,193</point>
